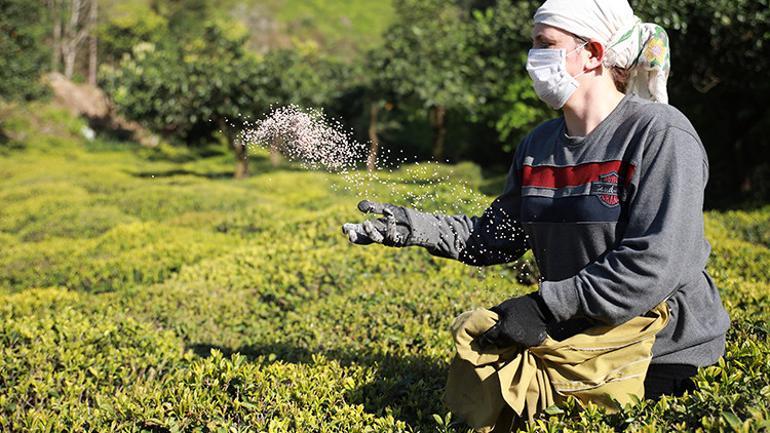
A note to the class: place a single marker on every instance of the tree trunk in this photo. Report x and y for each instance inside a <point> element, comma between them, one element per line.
<point>70,45</point>
<point>241,161</point>
<point>75,32</point>
<point>275,154</point>
<point>374,147</point>
<point>69,63</point>
<point>437,120</point>
<point>239,149</point>
<point>55,9</point>
<point>92,46</point>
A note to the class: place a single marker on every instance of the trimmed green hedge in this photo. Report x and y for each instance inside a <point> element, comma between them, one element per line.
<point>142,294</point>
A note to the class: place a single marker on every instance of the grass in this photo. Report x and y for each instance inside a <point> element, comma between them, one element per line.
<point>144,290</point>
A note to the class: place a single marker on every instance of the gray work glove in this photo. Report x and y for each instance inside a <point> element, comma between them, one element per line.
<point>399,226</point>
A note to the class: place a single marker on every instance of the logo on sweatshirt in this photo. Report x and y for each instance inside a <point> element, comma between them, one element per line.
<point>607,189</point>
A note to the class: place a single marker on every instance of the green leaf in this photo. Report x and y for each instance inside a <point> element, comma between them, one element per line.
<point>733,421</point>
<point>438,419</point>
<point>553,410</point>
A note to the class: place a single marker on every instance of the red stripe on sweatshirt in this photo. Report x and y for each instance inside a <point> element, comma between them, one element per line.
<point>547,176</point>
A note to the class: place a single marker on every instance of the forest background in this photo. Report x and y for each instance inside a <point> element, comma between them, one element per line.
<point>430,79</point>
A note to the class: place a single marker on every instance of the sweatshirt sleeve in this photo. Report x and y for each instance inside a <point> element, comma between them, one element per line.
<point>495,237</point>
<point>662,239</point>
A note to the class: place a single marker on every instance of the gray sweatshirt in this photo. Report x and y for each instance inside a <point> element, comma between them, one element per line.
<point>615,222</point>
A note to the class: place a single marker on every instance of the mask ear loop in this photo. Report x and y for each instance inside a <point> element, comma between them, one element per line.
<point>585,42</point>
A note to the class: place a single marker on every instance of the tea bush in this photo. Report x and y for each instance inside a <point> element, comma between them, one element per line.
<point>143,292</point>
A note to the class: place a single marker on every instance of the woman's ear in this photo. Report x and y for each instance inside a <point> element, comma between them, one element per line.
<point>596,56</point>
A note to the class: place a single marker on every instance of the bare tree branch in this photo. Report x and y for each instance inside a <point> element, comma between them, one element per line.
<point>56,16</point>
<point>92,46</point>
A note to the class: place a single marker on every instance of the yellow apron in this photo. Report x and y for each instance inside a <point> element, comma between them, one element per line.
<point>497,389</point>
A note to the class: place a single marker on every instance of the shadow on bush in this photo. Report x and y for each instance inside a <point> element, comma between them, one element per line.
<point>410,386</point>
<point>183,172</point>
<point>258,164</point>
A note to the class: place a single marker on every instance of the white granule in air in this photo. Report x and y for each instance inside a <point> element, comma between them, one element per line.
<point>307,137</point>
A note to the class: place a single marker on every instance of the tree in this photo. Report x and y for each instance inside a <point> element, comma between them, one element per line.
<point>212,84</point>
<point>426,58</point>
<point>719,79</point>
<point>73,23</point>
<point>208,84</point>
<point>93,17</point>
<point>127,25</point>
<point>375,93</point>
<point>22,29</point>
<point>503,95</point>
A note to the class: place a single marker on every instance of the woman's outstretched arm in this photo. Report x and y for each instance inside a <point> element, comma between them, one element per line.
<point>494,237</point>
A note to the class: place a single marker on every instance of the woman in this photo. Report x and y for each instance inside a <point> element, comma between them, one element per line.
<point>609,197</point>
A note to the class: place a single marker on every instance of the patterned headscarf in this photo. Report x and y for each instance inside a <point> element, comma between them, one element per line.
<point>642,48</point>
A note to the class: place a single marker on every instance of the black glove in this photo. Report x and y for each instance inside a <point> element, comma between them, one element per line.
<point>521,321</point>
<point>398,227</point>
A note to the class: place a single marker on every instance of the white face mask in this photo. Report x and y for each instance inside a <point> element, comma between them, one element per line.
<point>548,69</point>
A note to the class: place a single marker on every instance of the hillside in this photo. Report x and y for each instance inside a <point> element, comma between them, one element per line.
<point>340,25</point>
<point>343,27</point>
